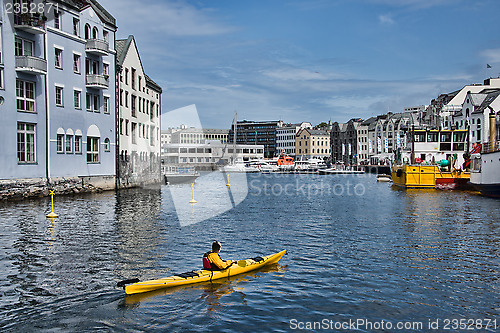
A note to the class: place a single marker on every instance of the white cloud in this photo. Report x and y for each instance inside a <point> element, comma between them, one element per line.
<point>491,55</point>
<point>386,19</point>
<point>298,74</point>
<point>170,18</point>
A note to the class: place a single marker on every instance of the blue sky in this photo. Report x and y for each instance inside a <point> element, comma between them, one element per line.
<point>311,60</point>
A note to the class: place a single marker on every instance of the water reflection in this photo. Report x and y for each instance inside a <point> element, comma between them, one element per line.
<point>386,254</point>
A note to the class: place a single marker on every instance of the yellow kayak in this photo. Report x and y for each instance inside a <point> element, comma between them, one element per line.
<point>242,266</point>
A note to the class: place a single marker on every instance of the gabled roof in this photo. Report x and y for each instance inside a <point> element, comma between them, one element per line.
<point>122,47</point>
<point>80,5</point>
<point>487,101</point>
<point>152,84</point>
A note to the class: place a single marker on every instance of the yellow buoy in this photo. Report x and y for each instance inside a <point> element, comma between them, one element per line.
<point>52,214</point>
<point>192,194</point>
<point>227,175</point>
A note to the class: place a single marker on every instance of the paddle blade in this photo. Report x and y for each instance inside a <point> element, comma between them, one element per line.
<point>125,282</point>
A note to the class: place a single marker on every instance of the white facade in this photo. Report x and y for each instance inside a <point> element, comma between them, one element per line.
<point>286,137</point>
<point>208,153</point>
<point>139,118</point>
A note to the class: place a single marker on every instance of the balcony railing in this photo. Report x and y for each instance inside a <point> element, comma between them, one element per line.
<point>97,46</point>
<point>30,23</point>
<point>490,147</point>
<point>97,81</point>
<point>31,65</point>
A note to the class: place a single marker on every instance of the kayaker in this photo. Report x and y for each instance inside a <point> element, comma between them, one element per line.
<point>212,260</point>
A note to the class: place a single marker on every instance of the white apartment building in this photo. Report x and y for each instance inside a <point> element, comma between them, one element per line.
<point>138,120</point>
<point>286,137</point>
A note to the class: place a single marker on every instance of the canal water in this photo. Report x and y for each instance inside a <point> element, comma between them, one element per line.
<point>358,252</point>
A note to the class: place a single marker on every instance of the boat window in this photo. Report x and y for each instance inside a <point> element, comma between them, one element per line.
<point>432,137</point>
<point>459,137</point>
<point>445,137</point>
<point>419,137</point>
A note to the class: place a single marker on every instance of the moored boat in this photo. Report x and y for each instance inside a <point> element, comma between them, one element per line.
<point>485,171</point>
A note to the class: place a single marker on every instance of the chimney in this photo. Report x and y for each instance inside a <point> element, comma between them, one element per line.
<point>493,129</point>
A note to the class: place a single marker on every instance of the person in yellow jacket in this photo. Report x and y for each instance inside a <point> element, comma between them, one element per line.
<point>212,260</point>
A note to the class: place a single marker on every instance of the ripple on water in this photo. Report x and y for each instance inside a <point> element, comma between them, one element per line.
<point>386,254</point>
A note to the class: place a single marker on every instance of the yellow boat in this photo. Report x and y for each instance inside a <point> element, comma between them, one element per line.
<point>242,266</point>
<point>428,176</point>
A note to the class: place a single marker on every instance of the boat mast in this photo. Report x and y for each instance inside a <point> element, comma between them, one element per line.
<point>234,135</point>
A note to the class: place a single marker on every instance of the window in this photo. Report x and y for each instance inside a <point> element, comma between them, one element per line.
<point>106,145</point>
<point>121,126</point>
<point>121,97</point>
<point>1,77</point>
<point>105,70</point>
<point>126,99</point>
<point>95,33</point>
<point>133,102</point>
<point>133,78</point>
<point>24,47</point>
<point>92,149</point>
<point>77,95</point>
<point>88,101</point>
<point>25,95</point>
<point>78,144</point>
<point>57,19</point>
<point>76,26</point>
<point>59,96</point>
<point>69,144</point>
<point>76,63</point>
<point>126,76</point>
<point>105,105</point>
<point>126,126</point>
<point>134,130</point>
<point>58,58</point>
<point>105,35</point>
<point>60,143</point>
<point>26,143</point>
<point>478,135</point>
<point>87,31</point>
<point>96,103</point>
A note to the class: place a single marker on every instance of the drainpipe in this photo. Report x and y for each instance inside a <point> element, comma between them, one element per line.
<point>47,115</point>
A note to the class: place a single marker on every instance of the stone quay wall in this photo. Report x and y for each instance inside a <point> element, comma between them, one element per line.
<point>11,189</point>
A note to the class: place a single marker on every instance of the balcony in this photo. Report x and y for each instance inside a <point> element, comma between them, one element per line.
<point>31,23</point>
<point>97,81</point>
<point>97,46</point>
<point>31,65</point>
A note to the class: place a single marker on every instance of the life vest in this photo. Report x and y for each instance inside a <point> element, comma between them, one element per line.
<point>207,264</point>
<point>206,261</point>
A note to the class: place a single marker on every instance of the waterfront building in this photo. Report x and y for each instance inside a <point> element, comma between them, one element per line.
<point>454,106</point>
<point>312,143</point>
<point>139,99</point>
<point>257,133</point>
<point>60,66</point>
<point>207,155</point>
<point>199,135</point>
<point>286,137</point>
<point>349,142</point>
<point>474,115</point>
<point>337,141</point>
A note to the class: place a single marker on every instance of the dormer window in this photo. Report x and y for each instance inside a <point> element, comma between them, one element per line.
<point>95,33</point>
